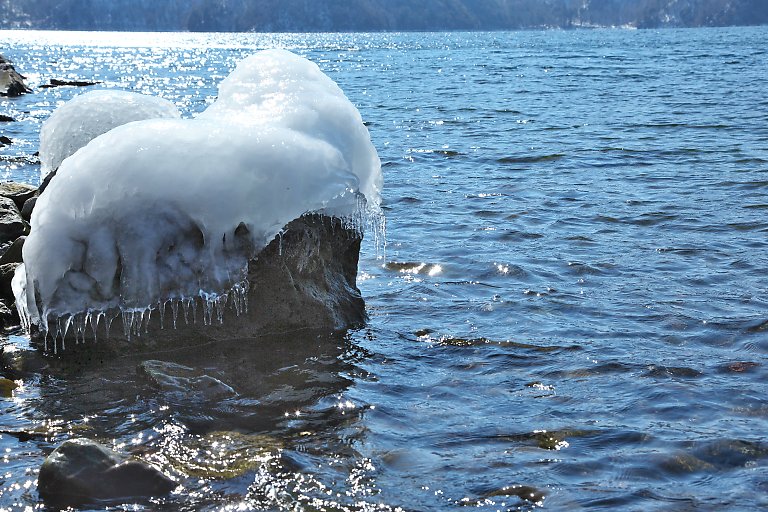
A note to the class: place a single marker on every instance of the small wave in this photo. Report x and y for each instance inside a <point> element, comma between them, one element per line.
<point>748,226</point>
<point>672,372</point>
<point>21,159</point>
<point>448,153</point>
<point>685,125</point>
<point>447,341</point>
<point>530,159</point>
<point>410,267</point>
<point>684,251</point>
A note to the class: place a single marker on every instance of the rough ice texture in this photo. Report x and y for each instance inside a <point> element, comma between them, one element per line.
<point>164,210</point>
<point>85,117</point>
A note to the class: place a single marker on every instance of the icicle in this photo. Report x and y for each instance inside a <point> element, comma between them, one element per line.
<point>187,305</point>
<point>127,322</point>
<point>149,319</point>
<point>161,310</point>
<point>67,323</point>
<point>175,310</point>
<point>95,323</point>
<point>108,323</point>
<point>221,303</point>
<point>207,308</point>
<point>76,324</point>
<point>239,294</point>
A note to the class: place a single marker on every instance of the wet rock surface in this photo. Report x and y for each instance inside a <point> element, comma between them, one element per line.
<point>82,471</point>
<point>56,82</point>
<point>11,82</point>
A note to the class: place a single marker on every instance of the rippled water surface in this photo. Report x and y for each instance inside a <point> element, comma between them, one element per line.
<point>572,311</point>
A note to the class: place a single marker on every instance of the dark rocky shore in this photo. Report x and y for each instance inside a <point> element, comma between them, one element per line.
<point>305,280</point>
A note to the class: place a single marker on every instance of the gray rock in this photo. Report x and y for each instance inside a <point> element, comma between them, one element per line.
<point>19,192</point>
<point>55,82</point>
<point>83,471</point>
<point>13,253</point>
<point>180,379</point>
<point>11,82</point>
<point>26,210</point>
<point>6,275</point>
<point>12,226</point>
<point>8,317</point>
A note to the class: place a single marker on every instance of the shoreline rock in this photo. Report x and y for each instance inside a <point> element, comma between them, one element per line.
<point>304,279</point>
<point>11,82</point>
<point>55,82</point>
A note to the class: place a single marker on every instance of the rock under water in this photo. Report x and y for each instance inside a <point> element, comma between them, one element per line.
<point>82,471</point>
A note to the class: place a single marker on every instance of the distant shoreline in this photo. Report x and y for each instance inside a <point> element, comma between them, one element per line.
<point>573,28</point>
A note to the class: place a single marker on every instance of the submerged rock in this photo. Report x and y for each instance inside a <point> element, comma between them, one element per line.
<point>190,382</point>
<point>82,471</point>
<point>221,455</point>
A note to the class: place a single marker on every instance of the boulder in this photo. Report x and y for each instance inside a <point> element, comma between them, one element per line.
<point>8,317</point>
<point>13,253</point>
<point>304,279</point>
<point>26,210</point>
<point>6,275</point>
<point>82,471</point>
<point>19,192</point>
<point>11,82</point>
<point>12,225</point>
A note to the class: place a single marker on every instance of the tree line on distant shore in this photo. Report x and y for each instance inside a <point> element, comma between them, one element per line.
<point>373,15</point>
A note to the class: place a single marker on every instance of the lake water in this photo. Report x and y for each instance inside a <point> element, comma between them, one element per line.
<point>571,312</point>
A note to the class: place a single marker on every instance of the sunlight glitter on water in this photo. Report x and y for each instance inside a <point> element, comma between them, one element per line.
<point>618,304</point>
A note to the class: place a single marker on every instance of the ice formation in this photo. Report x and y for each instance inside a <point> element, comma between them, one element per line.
<point>88,115</point>
<point>166,210</point>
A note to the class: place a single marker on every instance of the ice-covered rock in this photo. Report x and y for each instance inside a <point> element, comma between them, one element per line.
<point>168,211</point>
<point>89,115</point>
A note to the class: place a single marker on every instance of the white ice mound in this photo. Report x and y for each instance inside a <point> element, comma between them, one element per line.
<point>167,209</point>
<point>85,117</point>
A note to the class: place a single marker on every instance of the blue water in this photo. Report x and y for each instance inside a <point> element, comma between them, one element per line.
<point>571,312</point>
